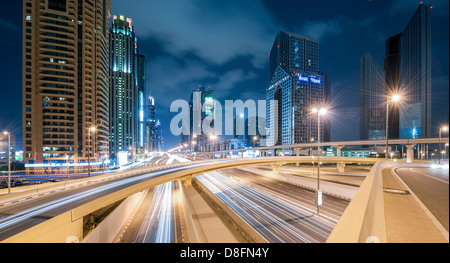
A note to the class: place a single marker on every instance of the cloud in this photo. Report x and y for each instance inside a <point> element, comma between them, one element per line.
<point>317,30</point>
<point>170,79</point>
<point>227,82</point>
<point>215,31</point>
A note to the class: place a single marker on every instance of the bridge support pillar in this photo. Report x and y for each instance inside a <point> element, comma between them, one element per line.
<point>276,167</point>
<point>338,150</point>
<point>410,153</point>
<point>297,153</point>
<point>188,179</point>
<point>341,167</point>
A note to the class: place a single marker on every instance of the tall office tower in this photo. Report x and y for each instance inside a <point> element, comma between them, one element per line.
<point>373,100</point>
<point>140,75</point>
<point>127,90</point>
<point>65,80</point>
<point>153,130</point>
<point>392,72</point>
<point>205,107</point>
<point>415,76</point>
<point>298,86</point>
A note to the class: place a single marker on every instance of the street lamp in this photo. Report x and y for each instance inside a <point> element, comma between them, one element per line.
<point>213,137</point>
<point>395,98</point>
<point>319,112</point>
<point>193,148</point>
<point>89,151</point>
<point>446,147</point>
<point>443,128</point>
<point>9,161</point>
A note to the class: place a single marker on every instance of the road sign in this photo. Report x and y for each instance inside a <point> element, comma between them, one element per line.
<point>319,197</point>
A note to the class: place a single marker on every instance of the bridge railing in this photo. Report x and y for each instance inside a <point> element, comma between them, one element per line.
<point>364,220</point>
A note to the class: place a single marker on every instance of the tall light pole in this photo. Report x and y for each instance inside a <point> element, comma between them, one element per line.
<point>9,161</point>
<point>255,138</point>
<point>213,137</point>
<point>394,98</point>
<point>193,149</point>
<point>319,112</point>
<point>443,128</point>
<point>89,151</point>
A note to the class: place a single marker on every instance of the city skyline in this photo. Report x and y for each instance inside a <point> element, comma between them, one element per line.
<point>229,63</point>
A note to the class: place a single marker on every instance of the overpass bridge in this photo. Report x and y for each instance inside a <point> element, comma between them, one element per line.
<point>65,215</point>
<point>339,145</point>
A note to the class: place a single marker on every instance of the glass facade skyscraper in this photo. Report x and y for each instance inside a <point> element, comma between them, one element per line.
<point>373,100</point>
<point>415,76</point>
<point>127,89</point>
<point>407,71</point>
<point>297,85</point>
<point>205,97</point>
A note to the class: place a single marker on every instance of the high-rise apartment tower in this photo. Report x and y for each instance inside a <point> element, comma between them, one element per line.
<point>65,80</point>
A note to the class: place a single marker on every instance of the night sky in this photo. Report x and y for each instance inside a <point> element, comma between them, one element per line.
<point>225,45</point>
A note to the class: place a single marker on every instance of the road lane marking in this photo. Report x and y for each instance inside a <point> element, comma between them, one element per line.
<point>427,175</point>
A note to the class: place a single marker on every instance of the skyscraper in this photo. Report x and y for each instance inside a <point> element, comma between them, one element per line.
<point>205,98</point>
<point>392,73</point>
<point>298,86</point>
<point>373,100</point>
<point>415,76</point>
<point>407,71</point>
<point>153,128</point>
<point>127,89</point>
<point>65,80</point>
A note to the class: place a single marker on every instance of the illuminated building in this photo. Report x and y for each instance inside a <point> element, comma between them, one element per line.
<point>154,140</point>
<point>373,100</point>
<point>205,97</point>
<point>415,76</point>
<point>65,80</point>
<point>4,149</point>
<point>298,86</point>
<point>127,89</point>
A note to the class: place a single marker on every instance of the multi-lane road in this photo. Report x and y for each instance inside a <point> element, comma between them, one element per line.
<point>431,186</point>
<point>280,212</point>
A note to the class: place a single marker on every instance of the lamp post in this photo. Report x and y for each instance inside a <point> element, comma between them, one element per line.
<point>9,161</point>
<point>319,112</point>
<point>89,151</point>
<point>193,149</point>
<point>443,128</point>
<point>394,98</point>
<point>213,137</point>
<point>446,149</point>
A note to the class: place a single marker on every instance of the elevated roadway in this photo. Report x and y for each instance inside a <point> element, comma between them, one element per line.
<point>28,217</point>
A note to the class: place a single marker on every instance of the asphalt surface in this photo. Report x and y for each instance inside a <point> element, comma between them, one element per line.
<point>431,186</point>
<point>271,210</point>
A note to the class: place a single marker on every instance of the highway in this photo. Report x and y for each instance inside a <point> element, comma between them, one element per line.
<point>19,215</point>
<point>158,218</point>
<point>332,207</point>
<point>431,186</point>
<point>278,219</point>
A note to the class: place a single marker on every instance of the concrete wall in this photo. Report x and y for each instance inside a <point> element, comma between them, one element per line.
<point>109,228</point>
<point>364,219</point>
<point>247,229</point>
<point>60,229</point>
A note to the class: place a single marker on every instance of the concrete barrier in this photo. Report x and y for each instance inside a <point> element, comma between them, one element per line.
<point>245,228</point>
<point>109,228</point>
<point>364,219</point>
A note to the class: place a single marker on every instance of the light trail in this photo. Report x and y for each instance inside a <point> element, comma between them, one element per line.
<point>160,226</point>
<point>278,220</point>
